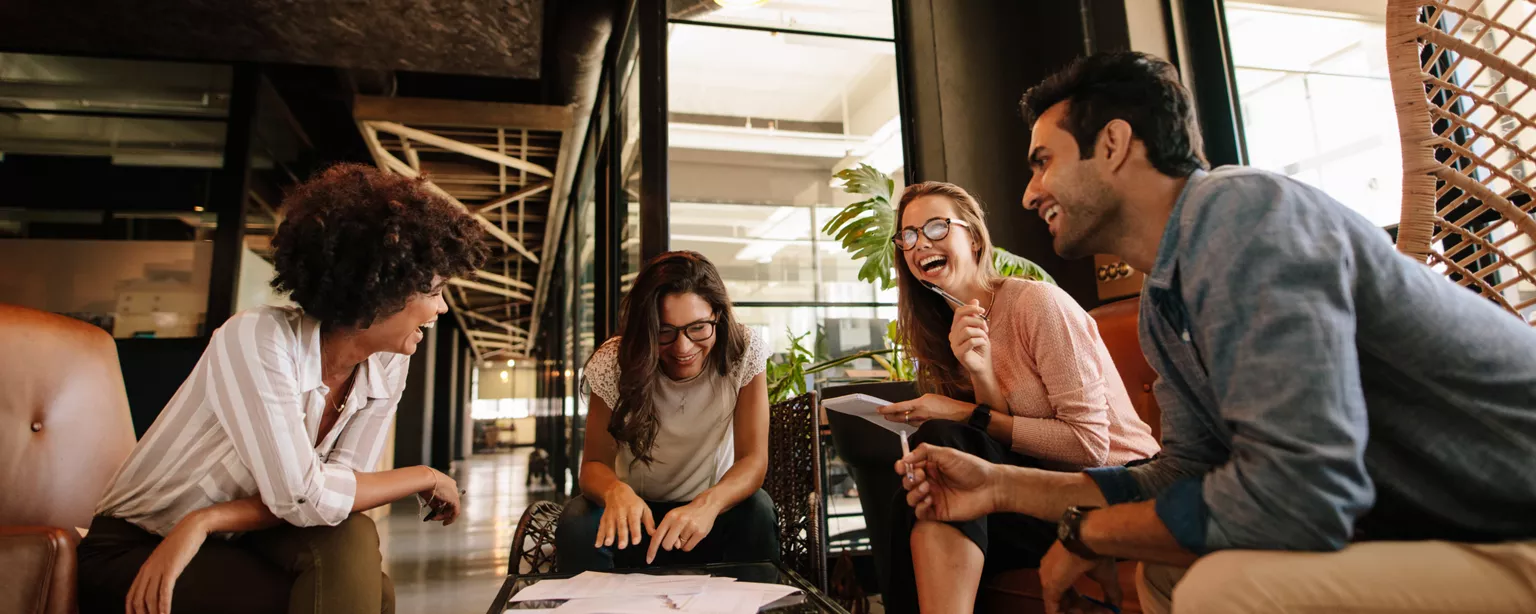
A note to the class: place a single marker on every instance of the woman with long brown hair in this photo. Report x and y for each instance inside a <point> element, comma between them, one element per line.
<point>677,432</point>
<point>1017,375</point>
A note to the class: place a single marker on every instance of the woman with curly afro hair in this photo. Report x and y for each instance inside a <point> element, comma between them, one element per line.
<point>244,496</point>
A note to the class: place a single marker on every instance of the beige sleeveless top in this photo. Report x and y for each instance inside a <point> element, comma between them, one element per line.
<point>694,444</point>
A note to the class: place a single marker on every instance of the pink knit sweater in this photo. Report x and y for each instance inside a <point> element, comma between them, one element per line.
<point>1069,405</point>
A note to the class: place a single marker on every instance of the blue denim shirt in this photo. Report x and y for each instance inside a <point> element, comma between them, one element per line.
<point>1317,387</point>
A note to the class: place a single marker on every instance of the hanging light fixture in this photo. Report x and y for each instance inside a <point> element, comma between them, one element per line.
<point>737,4</point>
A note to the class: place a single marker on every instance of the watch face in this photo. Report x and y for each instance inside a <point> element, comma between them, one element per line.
<point>1063,531</point>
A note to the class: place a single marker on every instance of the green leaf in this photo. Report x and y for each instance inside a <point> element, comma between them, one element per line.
<point>864,229</point>
<point>1012,265</point>
<point>866,180</point>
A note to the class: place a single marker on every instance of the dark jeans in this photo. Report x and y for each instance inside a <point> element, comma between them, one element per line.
<point>1008,541</point>
<point>747,533</point>
<point>290,569</point>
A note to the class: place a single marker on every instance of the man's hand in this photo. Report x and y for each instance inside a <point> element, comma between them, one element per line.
<point>928,407</point>
<point>950,485</point>
<point>156,582</point>
<point>682,529</point>
<point>1059,569</point>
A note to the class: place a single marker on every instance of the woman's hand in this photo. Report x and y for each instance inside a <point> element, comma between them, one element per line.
<point>156,582</point>
<point>682,528</point>
<point>443,497</point>
<point>623,514</point>
<point>969,341</point>
<point>928,407</point>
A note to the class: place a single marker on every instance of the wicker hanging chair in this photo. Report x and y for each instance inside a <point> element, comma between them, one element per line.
<point>1462,79</point>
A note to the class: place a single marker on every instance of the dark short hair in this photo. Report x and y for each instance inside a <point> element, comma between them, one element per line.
<point>356,244</point>
<point>1140,89</point>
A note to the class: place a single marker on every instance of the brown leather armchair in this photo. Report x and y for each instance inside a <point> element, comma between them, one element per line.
<point>1019,591</point>
<point>64,430</point>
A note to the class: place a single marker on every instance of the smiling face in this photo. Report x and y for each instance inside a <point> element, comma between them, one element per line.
<point>401,332</point>
<point>949,263</point>
<point>684,357</point>
<point>1066,191</point>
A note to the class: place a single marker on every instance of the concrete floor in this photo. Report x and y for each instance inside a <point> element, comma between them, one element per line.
<point>458,569</point>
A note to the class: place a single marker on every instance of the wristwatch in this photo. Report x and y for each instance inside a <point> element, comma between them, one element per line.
<point>1068,532</point>
<point>980,417</point>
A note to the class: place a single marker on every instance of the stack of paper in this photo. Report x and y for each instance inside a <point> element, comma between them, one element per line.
<point>605,593</point>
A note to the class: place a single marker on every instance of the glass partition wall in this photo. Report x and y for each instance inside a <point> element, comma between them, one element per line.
<point>764,104</point>
<point>719,130</point>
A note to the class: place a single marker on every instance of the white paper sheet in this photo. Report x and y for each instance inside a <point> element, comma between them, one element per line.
<point>617,605</point>
<point>724,599</point>
<point>866,407</point>
<point>724,590</point>
<point>594,584</point>
<point>606,593</point>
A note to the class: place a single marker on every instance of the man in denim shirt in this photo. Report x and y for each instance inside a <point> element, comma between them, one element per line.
<point>1321,393</point>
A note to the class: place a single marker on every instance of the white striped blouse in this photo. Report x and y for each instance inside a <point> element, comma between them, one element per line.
<point>246,422</point>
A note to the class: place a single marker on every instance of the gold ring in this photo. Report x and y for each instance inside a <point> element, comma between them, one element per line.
<point>907,417</point>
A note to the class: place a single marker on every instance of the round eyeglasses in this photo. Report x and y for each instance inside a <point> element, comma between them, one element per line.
<point>935,229</point>
<point>697,331</point>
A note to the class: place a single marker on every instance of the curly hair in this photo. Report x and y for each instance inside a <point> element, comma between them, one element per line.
<point>1142,90</point>
<point>357,243</point>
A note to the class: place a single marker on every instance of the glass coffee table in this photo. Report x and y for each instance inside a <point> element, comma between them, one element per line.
<point>808,601</point>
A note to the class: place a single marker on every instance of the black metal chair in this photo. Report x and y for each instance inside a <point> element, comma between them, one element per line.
<point>793,482</point>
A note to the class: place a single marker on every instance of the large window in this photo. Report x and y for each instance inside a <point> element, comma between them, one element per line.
<point>759,122</point>
<point>1317,105</point>
<point>1316,100</point>
<point>765,104</point>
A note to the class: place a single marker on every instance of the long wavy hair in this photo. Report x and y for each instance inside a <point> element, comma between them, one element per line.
<point>635,419</point>
<point>925,317</point>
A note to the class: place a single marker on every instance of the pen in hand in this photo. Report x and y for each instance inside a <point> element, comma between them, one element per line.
<point>948,297</point>
<point>906,450</point>
<point>432,511</point>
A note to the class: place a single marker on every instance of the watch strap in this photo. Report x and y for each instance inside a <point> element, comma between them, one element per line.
<point>1070,532</point>
<point>981,417</point>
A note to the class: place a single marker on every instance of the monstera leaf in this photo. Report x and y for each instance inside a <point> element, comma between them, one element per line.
<point>865,228</point>
<point>1013,265</point>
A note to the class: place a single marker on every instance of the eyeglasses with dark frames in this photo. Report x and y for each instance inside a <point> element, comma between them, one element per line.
<point>935,229</point>
<point>698,331</point>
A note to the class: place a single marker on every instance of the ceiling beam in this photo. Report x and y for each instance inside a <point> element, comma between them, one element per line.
<point>502,200</point>
<point>485,334</point>
<point>501,306</point>
<point>521,285</point>
<point>461,113</point>
<point>460,147</point>
<point>474,285</point>
<point>388,161</point>
<point>494,322</point>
